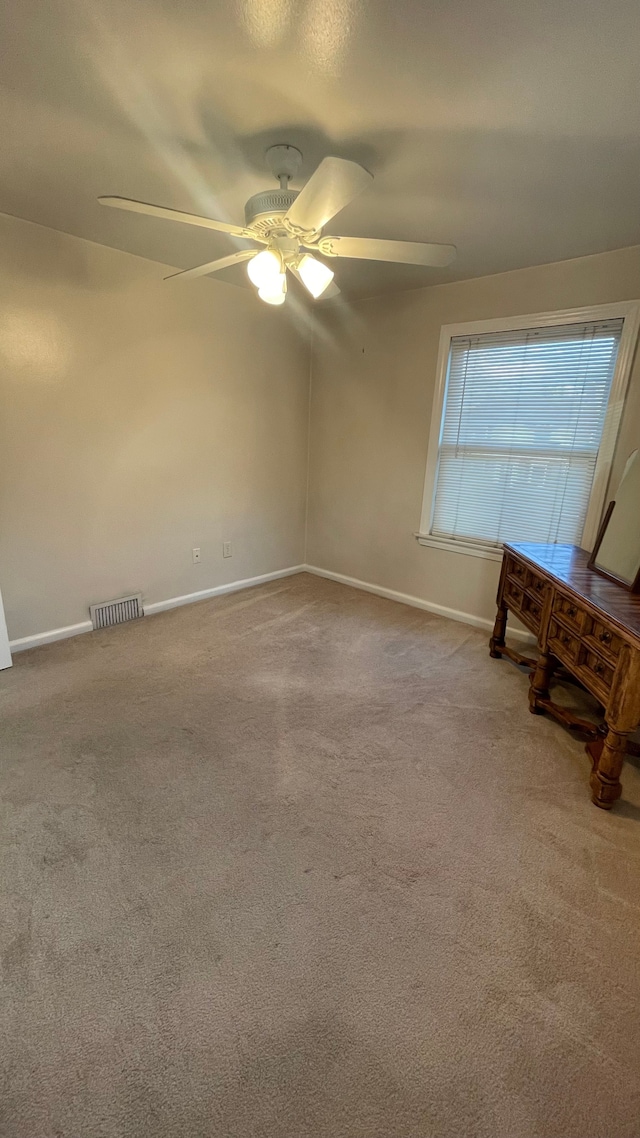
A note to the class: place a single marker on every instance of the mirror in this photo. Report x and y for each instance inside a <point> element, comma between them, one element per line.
<point>617,550</point>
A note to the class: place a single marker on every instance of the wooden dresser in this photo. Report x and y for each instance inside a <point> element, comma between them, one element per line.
<point>588,626</point>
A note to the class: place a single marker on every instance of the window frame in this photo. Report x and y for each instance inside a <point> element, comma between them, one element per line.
<point>629,311</point>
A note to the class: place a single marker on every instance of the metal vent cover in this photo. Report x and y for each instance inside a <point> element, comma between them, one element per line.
<point>116,612</point>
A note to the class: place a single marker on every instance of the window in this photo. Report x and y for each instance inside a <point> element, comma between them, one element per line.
<point>526,418</point>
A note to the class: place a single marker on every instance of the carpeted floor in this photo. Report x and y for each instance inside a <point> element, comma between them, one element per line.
<point>299,863</point>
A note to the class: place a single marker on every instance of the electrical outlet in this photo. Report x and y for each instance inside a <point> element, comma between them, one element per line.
<point>196,556</point>
<point>227,551</point>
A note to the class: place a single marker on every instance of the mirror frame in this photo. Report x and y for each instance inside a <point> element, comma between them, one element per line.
<point>631,586</point>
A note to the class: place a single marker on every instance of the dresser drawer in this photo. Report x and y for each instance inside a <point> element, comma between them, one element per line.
<point>513,595</point>
<point>595,672</point>
<point>605,642</point>
<point>517,570</point>
<point>563,643</point>
<point>531,611</point>
<point>568,612</point>
<point>536,585</point>
<point>524,593</point>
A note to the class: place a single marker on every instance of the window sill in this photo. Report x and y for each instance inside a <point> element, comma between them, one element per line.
<point>470,548</point>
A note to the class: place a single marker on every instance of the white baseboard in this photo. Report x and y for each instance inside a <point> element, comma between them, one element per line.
<point>417,602</point>
<point>39,638</point>
<point>220,590</point>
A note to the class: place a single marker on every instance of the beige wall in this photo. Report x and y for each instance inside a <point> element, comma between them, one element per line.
<point>139,419</point>
<point>373,379</point>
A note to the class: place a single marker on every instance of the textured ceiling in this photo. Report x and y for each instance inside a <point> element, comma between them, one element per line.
<point>509,128</point>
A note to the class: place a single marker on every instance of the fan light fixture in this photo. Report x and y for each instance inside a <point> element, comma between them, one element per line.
<point>275,290</point>
<point>316,277</point>
<point>267,272</point>
<point>264,270</point>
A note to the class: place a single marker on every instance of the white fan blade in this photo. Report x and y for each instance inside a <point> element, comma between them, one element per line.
<point>178,215</point>
<point>372,249</point>
<point>330,188</point>
<point>214,266</point>
<point>331,289</point>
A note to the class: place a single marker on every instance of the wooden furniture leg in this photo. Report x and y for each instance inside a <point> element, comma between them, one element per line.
<point>540,680</point>
<point>607,758</point>
<point>496,644</point>
<point>622,717</point>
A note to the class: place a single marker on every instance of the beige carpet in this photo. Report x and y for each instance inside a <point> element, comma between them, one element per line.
<point>299,863</point>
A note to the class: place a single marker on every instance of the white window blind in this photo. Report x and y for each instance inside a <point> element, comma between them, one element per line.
<point>520,432</point>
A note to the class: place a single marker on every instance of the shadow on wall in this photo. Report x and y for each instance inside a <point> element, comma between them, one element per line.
<point>39,255</point>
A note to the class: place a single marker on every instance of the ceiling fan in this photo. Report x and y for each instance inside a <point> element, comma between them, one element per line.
<point>289,224</point>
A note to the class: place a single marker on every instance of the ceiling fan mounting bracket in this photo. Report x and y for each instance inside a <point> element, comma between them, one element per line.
<point>284,162</point>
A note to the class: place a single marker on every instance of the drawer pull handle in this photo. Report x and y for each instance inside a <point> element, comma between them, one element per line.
<point>571,611</point>
<point>539,586</point>
<point>605,637</point>
<point>598,669</point>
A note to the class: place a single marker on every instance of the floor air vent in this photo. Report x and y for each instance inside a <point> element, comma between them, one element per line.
<point>116,612</point>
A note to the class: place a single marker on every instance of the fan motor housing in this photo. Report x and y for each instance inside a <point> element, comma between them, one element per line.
<point>264,211</point>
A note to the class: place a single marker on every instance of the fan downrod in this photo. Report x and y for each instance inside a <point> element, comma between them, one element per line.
<point>284,163</point>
